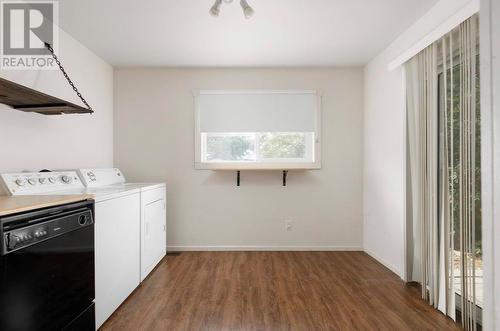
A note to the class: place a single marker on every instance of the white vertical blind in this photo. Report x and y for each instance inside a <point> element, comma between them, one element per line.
<point>259,111</point>
<point>422,108</point>
<point>443,169</point>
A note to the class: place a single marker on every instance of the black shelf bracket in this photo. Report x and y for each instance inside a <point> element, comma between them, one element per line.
<point>238,177</point>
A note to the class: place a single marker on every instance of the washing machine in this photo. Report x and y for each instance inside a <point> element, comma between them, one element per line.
<point>153,204</point>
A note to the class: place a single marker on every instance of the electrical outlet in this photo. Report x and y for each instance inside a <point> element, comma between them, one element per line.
<point>289,225</point>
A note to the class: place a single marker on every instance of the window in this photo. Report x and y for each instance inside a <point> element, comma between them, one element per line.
<point>258,147</point>
<point>257,130</point>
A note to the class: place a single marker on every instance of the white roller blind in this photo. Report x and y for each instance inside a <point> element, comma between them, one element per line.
<point>258,111</point>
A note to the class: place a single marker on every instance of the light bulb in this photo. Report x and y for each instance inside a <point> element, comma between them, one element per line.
<point>247,10</point>
<point>215,10</point>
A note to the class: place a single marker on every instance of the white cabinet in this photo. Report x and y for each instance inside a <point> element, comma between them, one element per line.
<point>153,229</point>
<point>117,252</point>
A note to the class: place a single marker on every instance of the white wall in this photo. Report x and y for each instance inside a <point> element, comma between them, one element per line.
<point>384,136</point>
<point>383,165</point>
<point>34,141</point>
<point>154,119</point>
<point>490,160</point>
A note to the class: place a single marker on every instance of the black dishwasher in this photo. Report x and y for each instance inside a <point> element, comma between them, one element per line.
<point>47,269</point>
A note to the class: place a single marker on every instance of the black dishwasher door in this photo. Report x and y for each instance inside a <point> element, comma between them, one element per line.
<point>47,285</point>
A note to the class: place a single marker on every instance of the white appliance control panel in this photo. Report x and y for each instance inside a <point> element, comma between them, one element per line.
<point>101,177</point>
<point>26,183</point>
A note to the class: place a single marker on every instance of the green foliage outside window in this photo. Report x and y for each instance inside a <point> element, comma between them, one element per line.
<point>455,171</point>
<point>282,145</point>
<point>233,148</point>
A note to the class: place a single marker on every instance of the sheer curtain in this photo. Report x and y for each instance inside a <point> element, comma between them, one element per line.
<point>442,140</point>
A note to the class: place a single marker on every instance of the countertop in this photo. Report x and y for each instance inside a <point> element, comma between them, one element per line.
<point>11,205</point>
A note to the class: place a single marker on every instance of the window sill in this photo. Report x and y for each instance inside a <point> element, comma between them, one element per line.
<point>256,166</point>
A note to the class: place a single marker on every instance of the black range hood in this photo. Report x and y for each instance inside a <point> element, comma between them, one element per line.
<point>29,100</point>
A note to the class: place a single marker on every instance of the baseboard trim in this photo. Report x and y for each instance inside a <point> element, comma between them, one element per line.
<point>386,264</point>
<point>186,248</point>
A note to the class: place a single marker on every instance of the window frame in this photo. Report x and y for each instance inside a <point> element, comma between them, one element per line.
<point>200,164</point>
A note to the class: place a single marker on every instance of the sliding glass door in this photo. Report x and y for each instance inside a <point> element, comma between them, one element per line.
<point>444,174</point>
<point>451,125</point>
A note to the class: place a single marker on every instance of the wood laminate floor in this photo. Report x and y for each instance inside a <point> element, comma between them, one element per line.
<point>244,291</point>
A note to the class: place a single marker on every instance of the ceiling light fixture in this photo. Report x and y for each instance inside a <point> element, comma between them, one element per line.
<point>215,10</point>
<point>247,10</point>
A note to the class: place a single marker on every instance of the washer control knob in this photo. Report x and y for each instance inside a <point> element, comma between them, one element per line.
<point>32,181</point>
<point>52,180</point>
<point>20,182</point>
<point>42,180</point>
<point>66,179</point>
